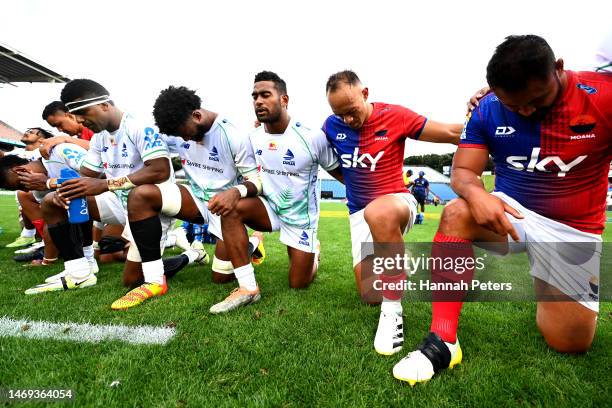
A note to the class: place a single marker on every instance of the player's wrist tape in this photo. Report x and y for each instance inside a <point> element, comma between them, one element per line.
<point>242,189</point>
<point>51,183</point>
<point>120,183</point>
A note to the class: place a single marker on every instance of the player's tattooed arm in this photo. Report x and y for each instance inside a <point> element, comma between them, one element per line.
<point>437,132</point>
<point>488,210</point>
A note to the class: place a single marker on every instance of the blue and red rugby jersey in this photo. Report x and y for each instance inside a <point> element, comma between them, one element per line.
<point>556,167</point>
<point>372,156</point>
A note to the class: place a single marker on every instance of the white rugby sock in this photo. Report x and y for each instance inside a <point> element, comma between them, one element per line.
<point>192,254</point>
<point>246,277</point>
<point>88,251</point>
<point>153,271</point>
<point>28,233</point>
<point>254,241</point>
<point>77,269</point>
<point>391,306</point>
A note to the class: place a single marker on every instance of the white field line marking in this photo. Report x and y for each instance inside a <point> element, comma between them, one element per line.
<point>85,332</point>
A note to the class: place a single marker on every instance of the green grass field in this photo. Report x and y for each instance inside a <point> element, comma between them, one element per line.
<point>295,348</point>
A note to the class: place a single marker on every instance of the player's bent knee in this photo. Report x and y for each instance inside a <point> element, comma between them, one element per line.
<point>299,282</point>
<point>143,197</point>
<point>380,220</point>
<point>567,343</point>
<point>171,198</point>
<point>456,214</point>
<point>572,336</point>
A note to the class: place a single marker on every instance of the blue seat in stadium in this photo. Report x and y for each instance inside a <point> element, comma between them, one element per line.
<point>332,189</point>
<point>442,191</point>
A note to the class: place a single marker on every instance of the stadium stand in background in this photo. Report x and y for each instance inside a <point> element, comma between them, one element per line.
<point>439,185</point>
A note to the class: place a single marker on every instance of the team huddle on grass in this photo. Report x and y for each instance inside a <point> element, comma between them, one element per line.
<point>547,129</point>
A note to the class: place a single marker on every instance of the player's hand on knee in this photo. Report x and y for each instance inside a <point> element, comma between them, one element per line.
<point>490,212</point>
<point>223,203</point>
<point>81,187</point>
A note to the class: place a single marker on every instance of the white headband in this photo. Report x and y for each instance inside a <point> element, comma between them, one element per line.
<point>84,103</point>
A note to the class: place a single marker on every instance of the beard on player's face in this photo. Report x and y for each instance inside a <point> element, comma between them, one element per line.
<point>269,115</point>
<point>199,133</point>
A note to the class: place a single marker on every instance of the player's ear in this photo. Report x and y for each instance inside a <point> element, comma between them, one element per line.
<point>365,92</point>
<point>197,115</point>
<point>559,65</point>
<point>285,101</point>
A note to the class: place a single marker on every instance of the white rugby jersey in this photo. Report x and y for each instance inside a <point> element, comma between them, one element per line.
<point>62,156</point>
<point>288,166</point>
<point>218,162</point>
<point>125,150</point>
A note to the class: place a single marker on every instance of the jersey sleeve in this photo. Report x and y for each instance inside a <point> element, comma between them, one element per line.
<point>149,143</point>
<point>244,158</point>
<point>93,160</point>
<point>71,154</point>
<point>473,134</point>
<point>412,123</point>
<point>172,142</point>
<point>323,150</point>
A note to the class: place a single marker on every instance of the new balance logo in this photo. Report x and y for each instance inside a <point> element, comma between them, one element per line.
<point>341,136</point>
<point>288,158</point>
<point>359,160</point>
<point>213,155</point>
<point>304,239</point>
<point>540,165</point>
<point>504,131</point>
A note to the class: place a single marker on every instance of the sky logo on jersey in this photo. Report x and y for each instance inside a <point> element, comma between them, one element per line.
<point>588,89</point>
<point>124,152</point>
<point>304,238</point>
<point>540,165</point>
<point>288,158</point>
<point>272,146</point>
<point>504,131</point>
<point>213,155</point>
<point>359,160</point>
<point>582,124</point>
